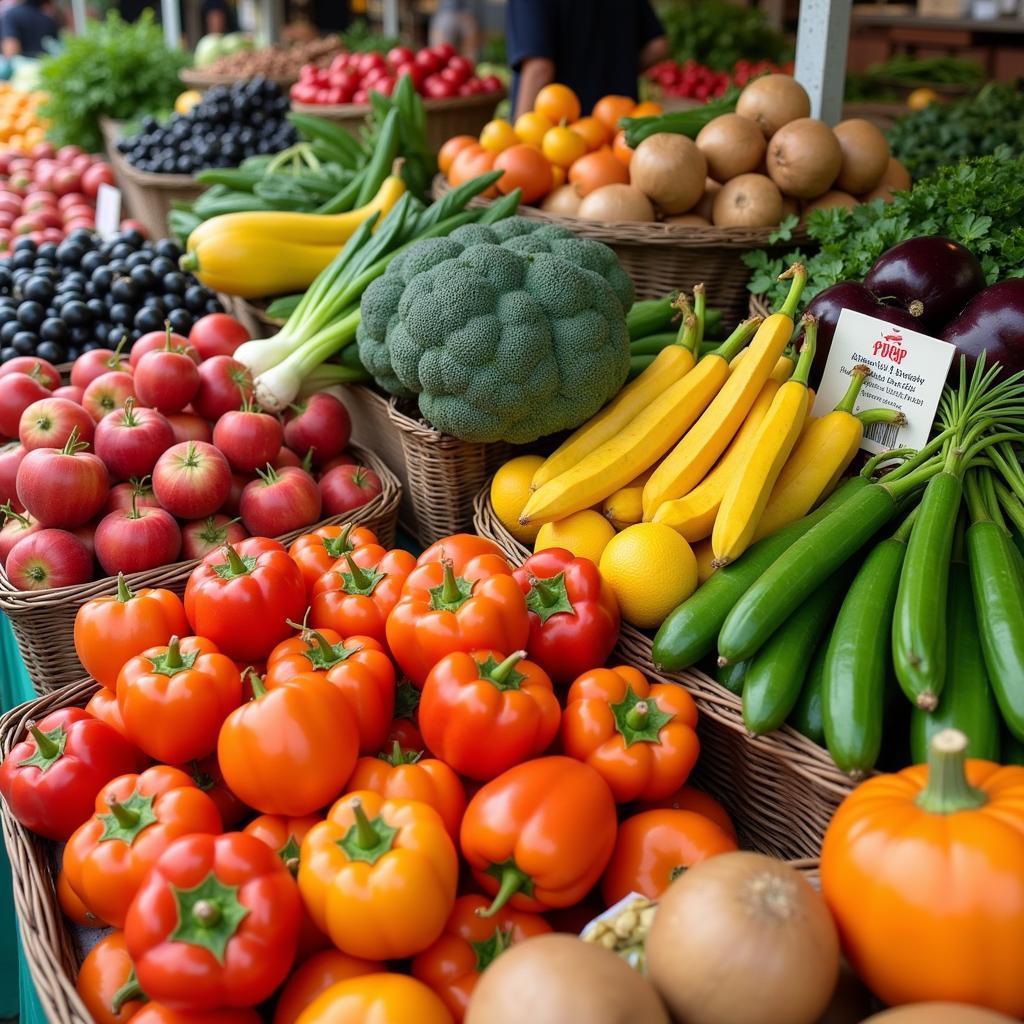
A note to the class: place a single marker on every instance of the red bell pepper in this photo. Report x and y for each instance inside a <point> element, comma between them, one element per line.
<point>574,617</point>
<point>215,923</point>
<point>242,597</point>
<point>207,776</point>
<point>445,608</point>
<point>482,713</point>
<point>50,779</point>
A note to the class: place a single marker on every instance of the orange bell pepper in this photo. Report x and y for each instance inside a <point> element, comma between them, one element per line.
<point>107,984</point>
<point>355,665</point>
<point>317,551</point>
<point>383,998</point>
<point>289,750</point>
<point>103,705</point>
<point>640,738</point>
<point>470,943</point>
<point>405,725</point>
<point>379,875</point>
<point>358,593</point>
<point>459,549</point>
<point>484,712</point>
<point>540,835</point>
<point>316,975</point>
<point>688,798</point>
<point>156,1013</point>
<point>174,698</point>
<point>71,905</point>
<point>407,775</point>
<point>475,605</point>
<point>654,848</point>
<point>137,817</point>
<point>206,774</point>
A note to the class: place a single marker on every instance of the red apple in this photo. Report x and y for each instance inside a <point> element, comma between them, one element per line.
<point>344,459</point>
<point>97,174</point>
<point>107,393</point>
<point>217,334</point>
<point>17,392</point>
<point>47,559</point>
<point>134,539</point>
<point>155,340</point>
<point>42,370</point>
<point>249,439</point>
<point>16,527</point>
<point>90,365</point>
<point>86,533</point>
<point>233,503</point>
<point>320,423</point>
<point>347,487</point>
<point>224,384</point>
<point>11,455</point>
<point>121,495</point>
<point>280,501</point>
<point>286,457</point>
<point>63,486</point>
<point>70,392</point>
<point>192,480</point>
<point>187,426</point>
<point>49,422</point>
<point>166,380</point>
<point>198,539</point>
<point>130,440</point>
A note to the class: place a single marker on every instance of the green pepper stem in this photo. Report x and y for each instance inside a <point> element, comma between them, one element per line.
<point>128,992</point>
<point>206,913</point>
<point>47,747</point>
<point>256,683</point>
<point>547,594</point>
<point>359,578</point>
<point>500,675</point>
<point>366,834</point>
<point>638,716</point>
<point>172,659</point>
<point>124,594</point>
<point>235,563</point>
<point>947,790</point>
<point>512,880</point>
<point>450,592</point>
<point>858,375</point>
<point>126,817</point>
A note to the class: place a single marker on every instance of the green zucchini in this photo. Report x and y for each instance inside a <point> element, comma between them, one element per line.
<point>650,316</point>
<point>806,714</point>
<point>732,676</point>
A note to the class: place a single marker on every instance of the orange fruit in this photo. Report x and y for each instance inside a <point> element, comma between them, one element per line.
<point>526,168</point>
<point>498,135</point>
<point>557,103</point>
<point>562,146</point>
<point>623,153</point>
<point>471,163</point>
<point>558,176</point>
<point>597,169</point>
<point>609,109</point>
<point>592,130</point>
<point>451,149</point>
<point>531,127</point>
<point>647,109</point>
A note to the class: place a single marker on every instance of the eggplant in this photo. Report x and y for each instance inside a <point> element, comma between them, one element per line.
<point>932,278</point>
<point>828,304</point>
<point>993,323</point>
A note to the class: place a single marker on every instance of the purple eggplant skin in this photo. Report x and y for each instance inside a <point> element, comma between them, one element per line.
<point>829,303</point>
<point>993,323</point>
<point>932,278</point>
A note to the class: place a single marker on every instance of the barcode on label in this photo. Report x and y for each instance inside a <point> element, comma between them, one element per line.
<point>884,434</point>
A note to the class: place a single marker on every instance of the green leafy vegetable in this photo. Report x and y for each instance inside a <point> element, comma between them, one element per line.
<point>116,69</point>
<point>979,203</point>
<point>903,71</point>
<point>718,33</point>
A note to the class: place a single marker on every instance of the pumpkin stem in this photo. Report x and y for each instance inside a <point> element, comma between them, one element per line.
<point>947,790</point>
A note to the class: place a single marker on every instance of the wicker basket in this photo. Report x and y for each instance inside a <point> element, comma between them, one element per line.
<point>202,80</point>
<point>147,196</point>
<point>460,115</point>
<point>51,945</point>
<point>251,316</point>
<point>663,257</point>
<point>43,620</point>
<point>781,789</point>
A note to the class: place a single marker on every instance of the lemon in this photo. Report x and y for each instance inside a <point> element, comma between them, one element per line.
<point>510,490</point>
<point>651,569</point>
<point>921,98</point>
<point>585,534</point>
<point>186,101</point>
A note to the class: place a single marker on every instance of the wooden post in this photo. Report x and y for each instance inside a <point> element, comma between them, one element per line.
<point>823,35</point>
<point>171,13</point>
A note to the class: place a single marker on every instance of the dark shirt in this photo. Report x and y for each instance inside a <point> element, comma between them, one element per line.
<point>30,26</point>
<point>131,10</point>
<point>595,44</point>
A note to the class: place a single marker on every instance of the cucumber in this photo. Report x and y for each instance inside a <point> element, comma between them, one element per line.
<point>649,316</point>
<point>967,702</point>
<point>780,668</point>
<point>1013,749</point>
<point>732,676</point>
<point>806,714</point>
<point>652,344</point>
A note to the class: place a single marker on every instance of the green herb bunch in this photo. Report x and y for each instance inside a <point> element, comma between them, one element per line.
<point>718,33</point>
<point>944,133</point>
<point>115,69</point>
<point>979,203</point>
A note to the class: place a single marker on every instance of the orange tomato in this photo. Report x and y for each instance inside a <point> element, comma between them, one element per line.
<point>558,176</point>
<point>687,798</point>
<point>558,103</point>
<point>315,976</point>
<point>592,130</point>
<point>471,163</point>
<point>647,109</point>
<point>498,135</point>
<point>531,127</point>
<point>562,146</point>
<point>609,109</point>
<point>623,153</point>
<point>597,169</point>
<point>451,149</point>
<point>525,168</point>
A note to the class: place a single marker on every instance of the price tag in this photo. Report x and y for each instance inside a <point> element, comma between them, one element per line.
<point>908,373</point>
<point>108,210</point>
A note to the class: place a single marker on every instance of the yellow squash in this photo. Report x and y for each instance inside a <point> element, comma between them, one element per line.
<point>299,228</point>
<point>698,451</point>
<point>748,491</point>
<point>625,506</point>
<point>670,365</point>
<point>640,443</point>
<point>826,448</point>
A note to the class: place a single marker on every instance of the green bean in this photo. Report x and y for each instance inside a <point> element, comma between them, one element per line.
<point>383,157</point>
<point>652,344</point>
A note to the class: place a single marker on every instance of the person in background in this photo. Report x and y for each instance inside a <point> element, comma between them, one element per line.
<point>596,47</point>
<point>219,17</point>
<point>24,26</point>
<point>455,23</point>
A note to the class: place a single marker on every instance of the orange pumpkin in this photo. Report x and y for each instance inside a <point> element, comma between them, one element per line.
<point>526,168</point>
<point>597,169</point>
<point>451,149</point>
<point>924,873</point>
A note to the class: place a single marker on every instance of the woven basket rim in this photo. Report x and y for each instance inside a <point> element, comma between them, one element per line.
<point>147,179</point>
<point>14,601</point>
<point>685,236</point>
<point>201,79</point>
<point>351,110</point>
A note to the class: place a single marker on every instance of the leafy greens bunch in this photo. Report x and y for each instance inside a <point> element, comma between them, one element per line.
<point>718,33</point>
